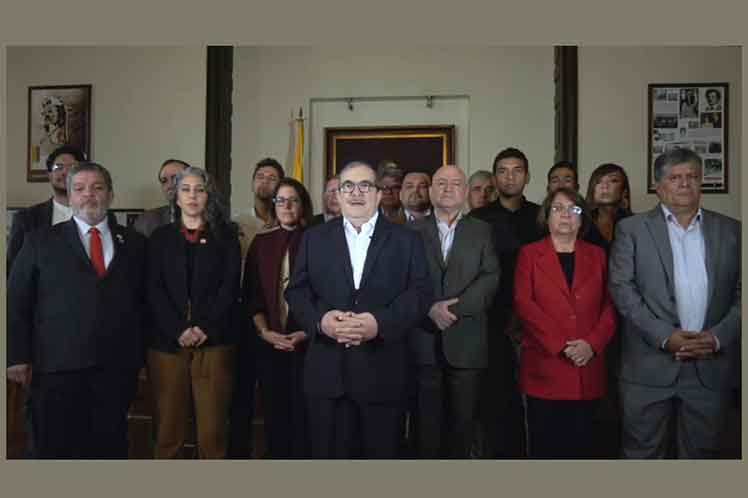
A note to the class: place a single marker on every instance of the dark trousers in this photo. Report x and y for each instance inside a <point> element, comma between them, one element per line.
<point>241,429</point>
<point>346,428</point>
<point>82,413</point>
<point>446,411</point>
<point>284,412</point>
<point>560,429</point>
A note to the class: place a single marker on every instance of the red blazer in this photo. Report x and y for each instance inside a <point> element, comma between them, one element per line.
<point>552,314</point>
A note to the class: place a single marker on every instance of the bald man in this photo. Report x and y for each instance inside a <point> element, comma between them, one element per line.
<point>449,348</point>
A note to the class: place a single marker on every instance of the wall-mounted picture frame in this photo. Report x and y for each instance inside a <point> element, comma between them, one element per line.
<point>57,115</point>
<point>693,116</point>
<point>126,217</point>
<point>414,148</point>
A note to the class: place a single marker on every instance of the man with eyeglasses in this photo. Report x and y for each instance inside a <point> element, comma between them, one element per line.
<point>360,284</point>
<point>674,275</point>
<point>51,212</point>
<point>150,220</point>
<point>390,181</point>
<point>330,205</point>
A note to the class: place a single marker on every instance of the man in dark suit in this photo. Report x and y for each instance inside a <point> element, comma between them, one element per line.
<point>150,220</point>
<point>75,301</point>
<point>450,347</point>
<point>359,285</point>
<point>514,220</point>
<point>50,212</point>
<point>330,205</point>
<point>675,279</point>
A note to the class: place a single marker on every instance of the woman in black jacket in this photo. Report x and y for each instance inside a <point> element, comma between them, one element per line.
<point>193,287</point>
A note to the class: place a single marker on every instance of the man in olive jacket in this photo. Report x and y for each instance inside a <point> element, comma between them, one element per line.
<point>450,348</point>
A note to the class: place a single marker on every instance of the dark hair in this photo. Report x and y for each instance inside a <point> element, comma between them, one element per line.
<point>269,162</point>
<point>172,161</point>
<point>215,214</point>
<point>598,174</point>
<point>508,153</point>
<point>417,172</point>
<point>678,155</point>
<point>64,149</point>
<point>564,164</point>
<point>88,166</point>
<point>714,91</point>
<point>574,197</point>
<point>307,211</point>
<point>389,168</point>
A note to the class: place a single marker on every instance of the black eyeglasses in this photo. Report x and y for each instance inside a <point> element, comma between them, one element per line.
<point>390,189</point>
<point>286,200</point>
<point>364,187</point>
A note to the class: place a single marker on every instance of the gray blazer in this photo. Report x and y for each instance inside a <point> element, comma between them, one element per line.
<point>471,274</point>
<point>641,284</point>
<point>150,220</point>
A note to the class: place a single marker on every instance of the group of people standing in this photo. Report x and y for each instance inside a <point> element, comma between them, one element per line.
<point>399,322</point>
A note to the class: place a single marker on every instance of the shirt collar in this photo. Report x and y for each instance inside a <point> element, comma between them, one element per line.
<point>59,206</point>
<point>670,217</point>
<point>83,227</point>
<point>409,216</point>
<point>366,228</point>
<point>444,225</point>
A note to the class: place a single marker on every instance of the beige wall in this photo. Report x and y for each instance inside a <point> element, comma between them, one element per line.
<point>509,89</point>
<point>613,109</point>
<point>148,103</point>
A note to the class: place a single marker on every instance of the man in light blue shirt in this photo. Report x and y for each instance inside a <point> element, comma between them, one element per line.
<point>675,279</point>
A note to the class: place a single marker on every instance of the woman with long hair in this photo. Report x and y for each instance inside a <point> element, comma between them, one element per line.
<point>609,200</point>
<point>193,288</point>
<point>282,343</point>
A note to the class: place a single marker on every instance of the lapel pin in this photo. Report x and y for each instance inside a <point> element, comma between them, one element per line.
<point>120,238</point>
<point>203,241</point>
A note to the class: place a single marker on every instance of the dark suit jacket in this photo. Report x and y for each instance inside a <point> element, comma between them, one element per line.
<point>25,221</point>
<point>395,288</point>
<point>214,286</point>
<point>471,274</point>
<point>641,283</point>
<point>552,314</point>
<point>62,317</point>
<point>150,220</point>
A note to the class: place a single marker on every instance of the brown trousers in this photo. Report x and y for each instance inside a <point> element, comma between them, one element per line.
<point>207,374</point>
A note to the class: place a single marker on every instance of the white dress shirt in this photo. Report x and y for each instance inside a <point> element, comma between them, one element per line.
<point>358,245</point>
<point>107,244</point>
<point>60,212</point>
<point>689,270</point>
<point>409,218</point>
<point>447,234</point>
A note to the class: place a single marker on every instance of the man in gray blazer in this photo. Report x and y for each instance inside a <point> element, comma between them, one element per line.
<point>150,220</point>
<point>675,279</point>
<point>450,348</point>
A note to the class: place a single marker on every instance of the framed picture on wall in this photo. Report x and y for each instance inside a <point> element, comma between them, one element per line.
<point>692,116</point>
<point>413,148</point>
<point>57,115</point>
<point>126,217</point>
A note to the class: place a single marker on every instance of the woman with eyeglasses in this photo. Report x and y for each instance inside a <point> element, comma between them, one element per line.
<point>193,290</point>
<point>568,318</point>
<point>282,343</point>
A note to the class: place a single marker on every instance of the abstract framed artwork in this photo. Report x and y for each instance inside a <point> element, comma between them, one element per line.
<point>414,148</point>
<point>57,115</point>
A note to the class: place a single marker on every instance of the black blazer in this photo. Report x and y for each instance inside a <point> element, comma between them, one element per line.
<point>395,288</point>
<point>215,286</point>
<point>25,221</point>
<point>62,317</point>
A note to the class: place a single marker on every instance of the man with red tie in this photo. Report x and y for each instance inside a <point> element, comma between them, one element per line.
<point>75,323</point>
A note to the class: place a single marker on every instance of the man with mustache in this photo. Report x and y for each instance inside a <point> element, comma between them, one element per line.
<point>75,324</point>
<point>360,284</point>
<point>414,196</point>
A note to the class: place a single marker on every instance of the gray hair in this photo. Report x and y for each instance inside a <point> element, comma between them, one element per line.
<point>481,174</point>
<point>89,166</point>
<point>356,164</point>
<point>388,168</point>
<point>676,156</point>
<point>215,211</point>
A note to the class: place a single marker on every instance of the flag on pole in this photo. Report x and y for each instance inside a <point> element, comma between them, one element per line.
<point>298,157</point>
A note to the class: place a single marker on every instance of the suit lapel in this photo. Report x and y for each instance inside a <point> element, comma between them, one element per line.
<point>72,237</point>
<point>378,239</point>
<point>459,248</point>
<point>582,266</point>
<point>340,246</point>
<point>657,227</point>
<point>433,246</point>
<point>119,241</point>
<point>550,265</point>
<point>710,230</point>
<point>47,214</point>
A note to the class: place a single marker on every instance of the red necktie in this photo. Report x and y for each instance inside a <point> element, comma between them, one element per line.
<point>97,253</point>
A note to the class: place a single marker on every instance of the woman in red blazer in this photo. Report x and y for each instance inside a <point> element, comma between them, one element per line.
<point>568,318</point>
